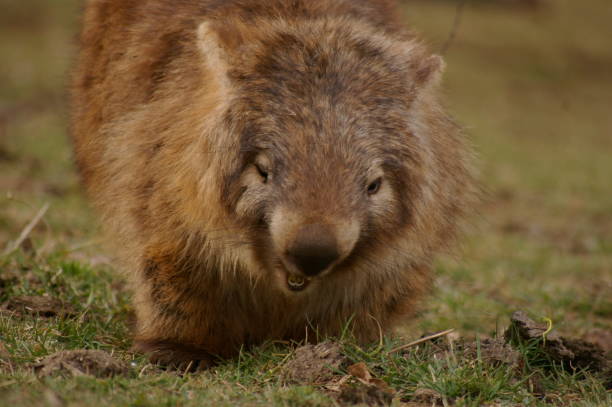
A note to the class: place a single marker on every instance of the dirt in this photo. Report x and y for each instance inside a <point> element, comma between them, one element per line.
<point>492,351</point>
<point>574,354</point>
<point>6,155</point>
<point>314,364</point>
<point>361,387</point>
<point>42,306</point>
<point>95,363</point>
<point>536,386</point>
<point>601,338</point>
<point>52,399</point>
<point>361,393</point>
<point>321,364</point>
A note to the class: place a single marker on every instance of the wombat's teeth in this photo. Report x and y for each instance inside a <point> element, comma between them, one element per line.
<point>296,283</point>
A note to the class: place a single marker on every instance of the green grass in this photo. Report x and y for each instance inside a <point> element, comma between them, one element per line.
<point>534,89</point>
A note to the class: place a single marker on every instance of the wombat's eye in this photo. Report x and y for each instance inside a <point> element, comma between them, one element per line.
<point>374,186</point>
<point>262,171</point>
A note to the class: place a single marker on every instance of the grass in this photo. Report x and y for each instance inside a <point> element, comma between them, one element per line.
<point>533,88</point>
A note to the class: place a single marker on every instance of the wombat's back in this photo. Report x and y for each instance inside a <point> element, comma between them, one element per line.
<point>127,48</point>
<point>135,51</point>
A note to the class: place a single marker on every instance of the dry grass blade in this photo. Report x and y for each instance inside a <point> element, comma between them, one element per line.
<point>27,230</point>
<point>455,28</point>
<point>421,340</point>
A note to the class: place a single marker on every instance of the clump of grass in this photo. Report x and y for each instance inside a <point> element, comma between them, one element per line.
<point>454,376</point>
<point>446,371</point>
<point>101,311</point>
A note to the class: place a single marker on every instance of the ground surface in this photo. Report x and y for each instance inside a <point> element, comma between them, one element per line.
<point>534,88</point>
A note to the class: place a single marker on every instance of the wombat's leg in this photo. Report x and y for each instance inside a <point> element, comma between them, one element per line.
<point>177,356</point>
<point>172,317</point>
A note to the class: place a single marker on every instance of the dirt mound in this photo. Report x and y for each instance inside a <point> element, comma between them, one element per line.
<point>493,351</point>
<point>47,307</point>
<point>321,365</point>
<point>574,354</point>
<point>600,337</point>
<point>95,363</point>
<point>314,364</point>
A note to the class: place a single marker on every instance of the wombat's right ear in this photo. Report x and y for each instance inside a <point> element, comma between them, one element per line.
<point>214,51</point>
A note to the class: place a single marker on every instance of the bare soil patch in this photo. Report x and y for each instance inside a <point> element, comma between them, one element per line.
<point>314,364</point>
<point>575,354</point>
<point>95,363</point>
<point>362,388</point>
<point>42,306</point>
<point>492,351</point>
<point>600,337</point>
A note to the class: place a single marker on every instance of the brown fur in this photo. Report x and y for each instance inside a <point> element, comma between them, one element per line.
<point>181,109</point>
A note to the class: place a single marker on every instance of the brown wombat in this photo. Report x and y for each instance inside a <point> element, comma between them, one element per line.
<point>275,169</point>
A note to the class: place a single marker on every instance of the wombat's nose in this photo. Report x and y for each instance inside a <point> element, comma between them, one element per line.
<point>313,249</point>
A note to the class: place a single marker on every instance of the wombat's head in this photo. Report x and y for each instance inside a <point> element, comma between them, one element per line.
<point>333,169</point>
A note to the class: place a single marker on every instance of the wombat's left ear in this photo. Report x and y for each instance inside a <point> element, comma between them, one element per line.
<point>429,71</point>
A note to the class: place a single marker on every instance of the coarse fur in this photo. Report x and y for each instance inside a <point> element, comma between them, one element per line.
<point>228,144</point>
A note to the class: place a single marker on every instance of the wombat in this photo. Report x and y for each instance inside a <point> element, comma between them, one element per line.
<point>269,169</point>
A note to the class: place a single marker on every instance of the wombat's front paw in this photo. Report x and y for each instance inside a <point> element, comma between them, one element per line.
<point>174,355</point>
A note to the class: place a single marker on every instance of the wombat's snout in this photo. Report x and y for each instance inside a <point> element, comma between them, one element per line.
<point>313,250</point>
<point>310,245</point>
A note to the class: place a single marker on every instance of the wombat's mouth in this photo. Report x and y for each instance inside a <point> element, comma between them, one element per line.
<point>296,283</point>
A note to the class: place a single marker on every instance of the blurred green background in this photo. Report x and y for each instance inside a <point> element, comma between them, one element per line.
<point>530,80</point>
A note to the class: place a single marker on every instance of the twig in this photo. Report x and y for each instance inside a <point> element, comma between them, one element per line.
<point>419,341</point>
<point>188,368</point>
<point>455,29</point>
<point>27,230</point>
